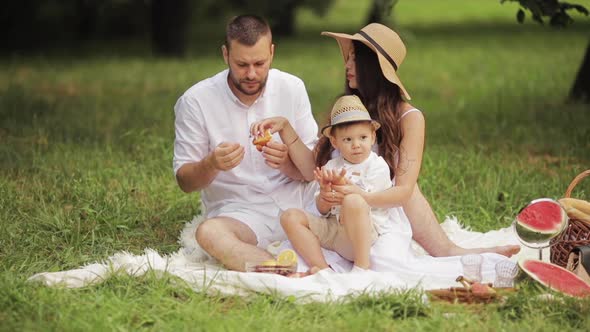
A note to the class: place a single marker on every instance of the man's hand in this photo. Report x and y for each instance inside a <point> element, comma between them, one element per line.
<point>276,154</point>
<point>227,156</point>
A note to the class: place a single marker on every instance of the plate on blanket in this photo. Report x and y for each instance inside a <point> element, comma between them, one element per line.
<point>462,295</point>
<point>283,270</point>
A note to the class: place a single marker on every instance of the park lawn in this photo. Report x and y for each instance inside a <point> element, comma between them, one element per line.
<point>86,155</point>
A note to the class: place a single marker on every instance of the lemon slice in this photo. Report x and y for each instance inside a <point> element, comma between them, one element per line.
<point>287,257</point>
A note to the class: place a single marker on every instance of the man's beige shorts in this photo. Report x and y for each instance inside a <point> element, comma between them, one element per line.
<point>333,236</point>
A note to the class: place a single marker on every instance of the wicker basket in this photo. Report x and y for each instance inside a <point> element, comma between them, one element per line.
<point>577,232</point>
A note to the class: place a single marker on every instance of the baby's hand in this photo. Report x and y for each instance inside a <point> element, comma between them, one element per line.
<point>339,177</point>
<point>320,178</point>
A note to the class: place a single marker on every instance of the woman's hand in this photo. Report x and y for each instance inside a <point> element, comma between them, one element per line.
<point>274,125</point>
<point>347,189</point>
<point>343,186</point>
<point>276,154</point>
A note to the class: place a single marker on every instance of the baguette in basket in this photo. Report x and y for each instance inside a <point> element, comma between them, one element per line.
<point>577,232</point>
<point>576,208</point>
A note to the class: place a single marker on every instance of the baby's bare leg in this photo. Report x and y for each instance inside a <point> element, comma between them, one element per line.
<point>354,215</point>
<point>296,226</point>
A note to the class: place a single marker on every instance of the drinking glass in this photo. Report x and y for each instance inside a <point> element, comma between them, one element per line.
<point>472,266</point>
<point>506,271</point>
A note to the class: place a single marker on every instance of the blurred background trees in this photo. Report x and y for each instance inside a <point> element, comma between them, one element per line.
<point>27,25</point>
<point>30,25</point>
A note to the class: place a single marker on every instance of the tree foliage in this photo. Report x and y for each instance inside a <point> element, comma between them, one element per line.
<point>558,14</point>
<point>557,11</point>
<point>380,9</point>
<point>37,24</point>
<point>280,13</point>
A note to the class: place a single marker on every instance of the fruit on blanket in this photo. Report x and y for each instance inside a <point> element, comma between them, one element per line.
<point>285,264</point>
<point>287,257</point>
<point>477,288</point>
<point>260,141</point>
<point>540,221</point>
<point>555,277</point>
<point>482,289</point>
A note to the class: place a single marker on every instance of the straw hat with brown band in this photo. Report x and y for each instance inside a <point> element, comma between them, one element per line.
<point>348,108</point>
<point>389,47</point>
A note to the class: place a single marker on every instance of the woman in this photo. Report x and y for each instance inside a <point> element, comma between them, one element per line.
<point>372,57</point>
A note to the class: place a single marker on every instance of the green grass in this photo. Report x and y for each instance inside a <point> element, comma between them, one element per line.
<point>86,155</point>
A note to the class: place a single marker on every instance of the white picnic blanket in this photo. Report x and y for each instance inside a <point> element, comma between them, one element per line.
<point>203,274</point>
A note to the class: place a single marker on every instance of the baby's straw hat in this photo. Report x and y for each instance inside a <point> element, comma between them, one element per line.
<point>348,109</point>
<point>389,47</point>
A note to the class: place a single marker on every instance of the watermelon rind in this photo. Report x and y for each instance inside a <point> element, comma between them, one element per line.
<point>570,284</point>
<point>529,234</point>
<point>533,236</point>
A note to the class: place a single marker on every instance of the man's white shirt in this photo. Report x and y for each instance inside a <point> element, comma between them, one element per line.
<point>208,114</point>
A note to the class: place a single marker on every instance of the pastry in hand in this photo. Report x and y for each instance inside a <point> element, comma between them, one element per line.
<point>260,141</point>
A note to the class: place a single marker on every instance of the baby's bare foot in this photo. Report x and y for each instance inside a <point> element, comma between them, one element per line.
<point>312,270</point>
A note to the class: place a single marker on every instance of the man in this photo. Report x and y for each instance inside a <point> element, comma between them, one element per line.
<point>243,190</point>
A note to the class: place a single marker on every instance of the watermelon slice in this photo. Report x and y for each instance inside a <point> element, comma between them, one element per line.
<point>540,221</point>
<point>555,277</point>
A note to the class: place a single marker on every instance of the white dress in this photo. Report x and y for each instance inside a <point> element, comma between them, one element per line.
<point>393,252</point>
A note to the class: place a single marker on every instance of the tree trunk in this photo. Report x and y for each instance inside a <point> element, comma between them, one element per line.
<point>283,20</point>
<point>375,13</point>
<point>581,88</point>
<point>86,19</point>
<point>169,26</point>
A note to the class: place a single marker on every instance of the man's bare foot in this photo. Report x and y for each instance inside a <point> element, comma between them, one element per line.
<point>507,250</point>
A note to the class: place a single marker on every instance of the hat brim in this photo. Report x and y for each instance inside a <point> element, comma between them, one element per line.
<point>327,130</point>
<point>345,43</point>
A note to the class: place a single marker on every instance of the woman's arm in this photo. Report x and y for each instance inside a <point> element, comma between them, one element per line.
<point>299,153</point>
<point>408,166</point>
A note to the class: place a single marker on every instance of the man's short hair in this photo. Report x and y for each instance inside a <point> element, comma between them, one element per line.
<point>246,30</point>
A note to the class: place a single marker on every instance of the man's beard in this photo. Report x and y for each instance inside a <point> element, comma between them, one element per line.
<point>238,85</point>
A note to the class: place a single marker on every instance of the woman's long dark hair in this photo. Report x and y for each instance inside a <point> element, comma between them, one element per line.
<point>381,98</point>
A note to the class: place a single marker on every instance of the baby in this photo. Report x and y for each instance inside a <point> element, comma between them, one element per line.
<point>347,225</point>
